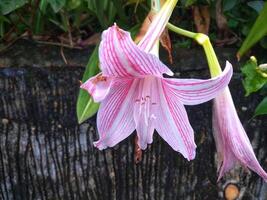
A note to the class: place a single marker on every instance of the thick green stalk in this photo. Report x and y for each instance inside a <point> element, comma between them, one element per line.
<point>204,41</point>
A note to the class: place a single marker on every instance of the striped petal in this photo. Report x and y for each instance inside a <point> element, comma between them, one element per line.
<point>144,114</point>
<point>145,130</point>
<point>196,91</point>
<point>98,87</point>
<point>115,116</point>
<point>232,142</point>
<point>157,26</point>
<point>172,122</point>
<point>119,56</point>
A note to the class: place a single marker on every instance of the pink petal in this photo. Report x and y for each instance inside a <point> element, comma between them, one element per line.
<point>145,131</point>
<point>115,116</point>
<point>172,122</point>
<point>226,159</point>
<point>119,56</point>
<point>231,139</point>
<point>196,91</point>
<point>97,86</point>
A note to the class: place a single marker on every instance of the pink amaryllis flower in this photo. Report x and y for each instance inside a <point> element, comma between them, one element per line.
<point>232,142</point>
<point>134,95</point>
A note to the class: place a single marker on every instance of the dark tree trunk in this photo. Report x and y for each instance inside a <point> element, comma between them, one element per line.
<point>45,154</point>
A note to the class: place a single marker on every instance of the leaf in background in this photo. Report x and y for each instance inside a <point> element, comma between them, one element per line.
<point>91,5</point>
<point>189,2</point>
<point>57,4</point>
<point>256,5</point>
<point>111,12</point>
<point>229,4</point>
<point>86,107</point>
<point>121,12</point>
<point>3,20</point>
<point>253,79</point>
<point>134,1</point>
<point>261,108</point>
<point>263,42</point>
<point>7,6</point>
<point>258,30</point>
<point>99,9</point>
<point>73,4</point>
<point>39,24</point>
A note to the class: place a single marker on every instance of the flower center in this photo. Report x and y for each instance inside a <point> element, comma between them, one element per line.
<point>145,101</point>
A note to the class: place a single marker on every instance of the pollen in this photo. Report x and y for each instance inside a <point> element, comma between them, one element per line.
<point>99,79</point>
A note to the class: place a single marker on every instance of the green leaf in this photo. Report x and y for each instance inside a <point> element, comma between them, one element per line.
<point>229,4</point>
<point>258,30</point>
<point>73,4</point>
<point>256,5</point>
<point>118,4</point>
<point>253,78</point>
<point>40,17</point>
<point>263,42</point>
<point>7,6</point>
<point>57,4</point>
<point>189,2</point>
<point>86,107</point>
<point>232,23</point>
<point>261,108</point>
<point>3,20</point>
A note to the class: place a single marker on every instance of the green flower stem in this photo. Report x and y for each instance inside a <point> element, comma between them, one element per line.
<point>214,66</point>
<point>204,41</point>
<point>181,31</point>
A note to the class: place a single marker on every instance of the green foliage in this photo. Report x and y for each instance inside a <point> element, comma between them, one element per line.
<point>7,6</point>
<point>190,2</point>
<point>78,17</point>
<point>86,107</point>
<point>104,10</point>
<point>256,5</point>
<point>258,30</point>
<point>254,79</point>
<point>229,4</point>
<point>261,108</point>
<point>57,4</point>
<point>3,21</point>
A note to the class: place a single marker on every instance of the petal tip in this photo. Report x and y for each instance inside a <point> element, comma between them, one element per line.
<point>169,72</point>
<point>99,144</point>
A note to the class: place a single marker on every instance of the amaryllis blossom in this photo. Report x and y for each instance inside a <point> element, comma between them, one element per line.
<point>134,95</point>
<point>232,142</point>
